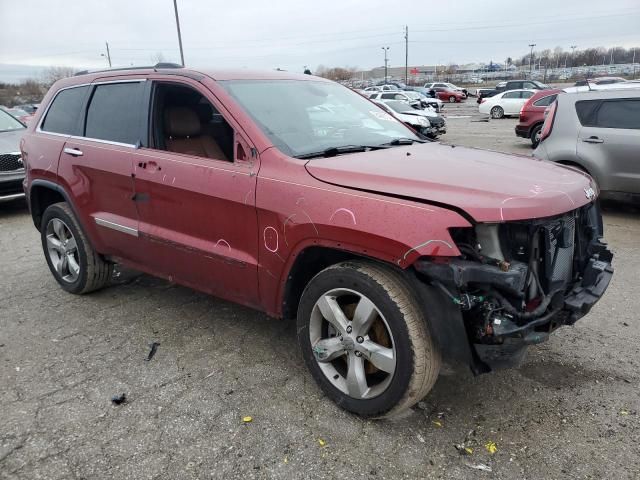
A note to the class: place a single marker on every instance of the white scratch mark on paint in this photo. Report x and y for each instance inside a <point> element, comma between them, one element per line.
<point>404,257</point>
<point>222,241</point>
<point>266,244</point>
<point>300,201</point>
<point>164,177</point>
<point>347,211</point>
<point>174,180</point>
<point>537,190</point>
<point>314,225</point>
<point>246,197</point>
<point>271,274</point>
<point>284,227</point>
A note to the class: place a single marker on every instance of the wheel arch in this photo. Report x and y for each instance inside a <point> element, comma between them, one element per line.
<point>42,194</point>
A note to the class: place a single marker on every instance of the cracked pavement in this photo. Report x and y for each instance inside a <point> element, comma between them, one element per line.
<point>570,411</point>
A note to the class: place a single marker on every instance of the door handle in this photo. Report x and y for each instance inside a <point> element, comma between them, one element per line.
<point>73,151</point>
<point>593,140</point>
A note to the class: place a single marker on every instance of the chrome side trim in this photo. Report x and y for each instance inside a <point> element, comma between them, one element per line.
<point>12,196</point>
<point>116,226</point>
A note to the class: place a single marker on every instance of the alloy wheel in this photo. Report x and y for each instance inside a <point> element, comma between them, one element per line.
<point>62,250</point>
<point>352,343</point>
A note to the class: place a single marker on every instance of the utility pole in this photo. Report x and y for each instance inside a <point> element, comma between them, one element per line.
<point>108,55</point>
<point>531,60</point>
<point>385,50</point>
<point>634,63</point>
<point>175,8</point>
<point>406,54</point>
<point>573,56</point>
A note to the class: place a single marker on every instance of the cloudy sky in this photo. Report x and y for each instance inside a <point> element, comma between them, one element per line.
<point>293,33</point>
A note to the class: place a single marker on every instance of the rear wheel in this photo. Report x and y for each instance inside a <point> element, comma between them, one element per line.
<point>365,339</point>
<point>76,266</point>
<point>452,99</point>
<point>497,112</point>
<point>535,135</point>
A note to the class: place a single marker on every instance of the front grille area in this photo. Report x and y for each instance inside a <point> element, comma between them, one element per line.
<point>10,162</point>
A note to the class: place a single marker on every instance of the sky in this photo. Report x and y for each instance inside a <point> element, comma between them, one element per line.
<point>292,34</point>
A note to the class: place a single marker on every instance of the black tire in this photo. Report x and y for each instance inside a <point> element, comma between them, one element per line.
<point>497,112</point>
<point>534,135</point>
<point>452,99</point>
<point>94,272</point>
<point>416,356</point>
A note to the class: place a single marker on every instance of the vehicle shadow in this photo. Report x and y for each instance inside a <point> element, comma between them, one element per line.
<point>13,208</point>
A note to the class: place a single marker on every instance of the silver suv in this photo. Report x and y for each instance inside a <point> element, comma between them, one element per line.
<point>598,132</point>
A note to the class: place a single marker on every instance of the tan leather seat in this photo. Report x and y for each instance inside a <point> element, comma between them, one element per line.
<point>183,134</point>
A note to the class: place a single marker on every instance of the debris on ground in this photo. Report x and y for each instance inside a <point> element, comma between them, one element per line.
<point>247,419</point>
<point>437,423</point>
<point>152,352</point>
<point>119,399</point>
<point>480,466</point>
<point>464,448</point>
<point>491,447</point>
<point>322,442</point>
<point>210,375</point>
<point>420,438</point>
<point>624,412</point>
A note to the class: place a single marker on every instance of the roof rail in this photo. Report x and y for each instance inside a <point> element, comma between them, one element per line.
<point>146,67</point>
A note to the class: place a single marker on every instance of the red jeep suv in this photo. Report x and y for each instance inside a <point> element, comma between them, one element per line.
<point>532,115</point>
<point>294,195</point>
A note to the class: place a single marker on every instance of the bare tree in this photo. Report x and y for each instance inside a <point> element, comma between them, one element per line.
<point>53,74</point>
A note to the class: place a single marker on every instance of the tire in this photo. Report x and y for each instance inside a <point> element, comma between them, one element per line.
<point>452,99</point>
<point>397,328</point>
<point>497,112</point>
<point>535,135</point>
<point>75,265</point>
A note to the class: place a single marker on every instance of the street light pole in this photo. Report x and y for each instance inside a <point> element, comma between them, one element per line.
<point>573,55</point>
<point>385,50</point>
<point>406,54</point>
<point>531,59</point>
<point>107,55</point>
<point>175,9</point>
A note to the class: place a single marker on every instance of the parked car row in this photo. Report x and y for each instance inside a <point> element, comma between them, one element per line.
<point>11,165</point>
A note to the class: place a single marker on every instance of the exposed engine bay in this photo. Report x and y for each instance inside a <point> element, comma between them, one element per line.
<point>516,282</point>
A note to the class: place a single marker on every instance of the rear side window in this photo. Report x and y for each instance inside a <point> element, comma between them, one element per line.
<point>545,101</point>
<point>115,112</point>
<point>619,113</point>
<point>64,112</point>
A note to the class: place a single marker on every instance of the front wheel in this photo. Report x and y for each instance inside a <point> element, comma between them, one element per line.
<point>76,266</point>
<point>365,339</point>
<point>497,112</point>
<point>452,99</point>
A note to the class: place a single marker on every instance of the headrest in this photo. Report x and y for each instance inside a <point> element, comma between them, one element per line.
<point>181,122</point>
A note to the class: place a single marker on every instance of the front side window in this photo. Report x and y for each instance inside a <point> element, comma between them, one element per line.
<point>303,117</point>
<point>115,113</point>
<point>184,121</point>
<point>63,115</point>
<point>511,95</point>
<point>8,123</point>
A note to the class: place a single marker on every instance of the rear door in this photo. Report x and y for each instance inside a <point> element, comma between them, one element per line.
<point>510,102</point>
<point>97,165</point>
<point>198,221</point>
<point>609,141</point>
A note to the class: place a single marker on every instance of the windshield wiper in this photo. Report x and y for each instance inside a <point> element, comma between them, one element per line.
<point>334,151</point>
<point>402,141</point>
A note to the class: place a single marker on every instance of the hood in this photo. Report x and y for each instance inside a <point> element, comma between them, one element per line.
<point>10,141</point>
<point>489,186</point>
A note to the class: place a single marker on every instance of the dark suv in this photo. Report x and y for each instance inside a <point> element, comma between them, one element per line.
<point>513,85</point>
<point>294,195</point>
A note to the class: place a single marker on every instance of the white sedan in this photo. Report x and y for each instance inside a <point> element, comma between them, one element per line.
<point>505,103</point>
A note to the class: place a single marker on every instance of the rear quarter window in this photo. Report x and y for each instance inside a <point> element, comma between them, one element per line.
<point>618,113</point>
<point>115,112</point>
<point>545,101</point>
<point>64,113</point>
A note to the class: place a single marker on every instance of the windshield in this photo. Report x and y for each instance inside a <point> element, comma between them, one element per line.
<point>540,85</point>
<point>302,117</point>
<point>7,122</point>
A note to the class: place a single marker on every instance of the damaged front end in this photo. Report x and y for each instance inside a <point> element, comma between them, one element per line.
<point>516,282</point>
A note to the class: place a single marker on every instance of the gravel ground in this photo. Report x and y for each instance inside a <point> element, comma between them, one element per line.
<point>570,411</point>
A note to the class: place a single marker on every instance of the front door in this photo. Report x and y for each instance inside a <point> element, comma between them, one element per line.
<point>195,191</point>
